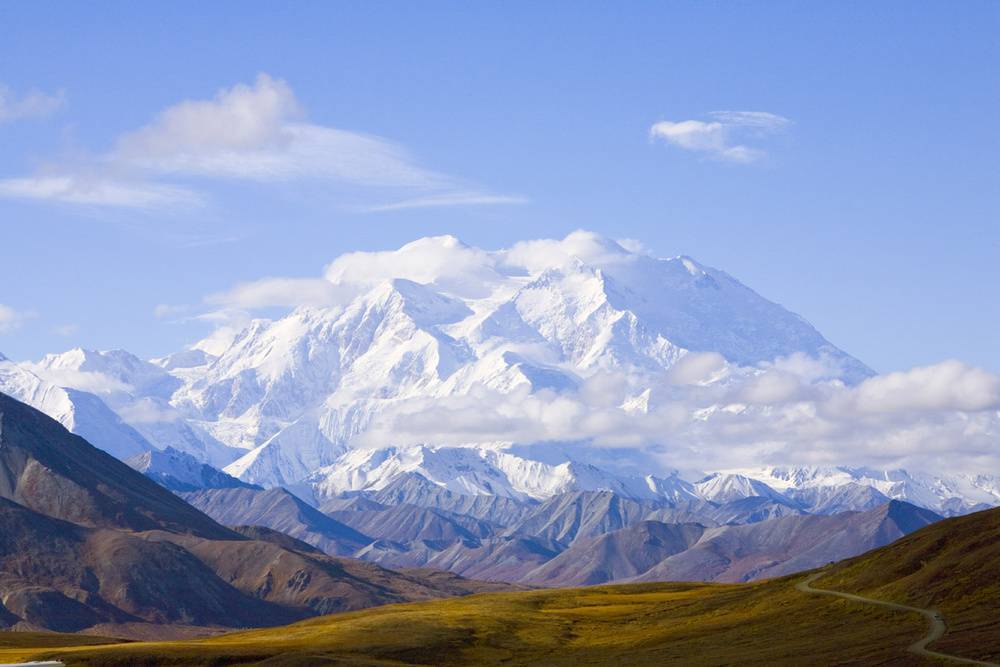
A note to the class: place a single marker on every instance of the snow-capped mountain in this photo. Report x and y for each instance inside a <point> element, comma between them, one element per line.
<point>297,391</point>
<point>139,392</point>
<point>81,412</point>
<point>726,487</point>
<point>832,488</point>
<point>439,359</point>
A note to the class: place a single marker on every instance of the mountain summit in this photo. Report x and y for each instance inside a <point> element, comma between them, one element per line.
<point>438,321</point>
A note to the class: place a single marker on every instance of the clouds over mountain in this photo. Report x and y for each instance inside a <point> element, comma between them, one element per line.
<point>747,417</point>
<point>257,133</point>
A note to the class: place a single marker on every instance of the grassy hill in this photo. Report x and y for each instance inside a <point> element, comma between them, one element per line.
<point>953,566</point>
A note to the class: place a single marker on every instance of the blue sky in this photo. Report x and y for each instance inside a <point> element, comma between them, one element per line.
<point>864,194</point>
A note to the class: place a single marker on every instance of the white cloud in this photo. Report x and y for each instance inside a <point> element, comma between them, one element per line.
<point>33,104</point>
<point>718,138</point>
<point>90,381</point>
<point>698,368</point>
<point>442,260</point>
<point>254,133</point>
<point>942,415</point>
<point>148,411</point>
<point>288,292</point>
<point>758,119</point>
<point>11,319</point>
<point>164,310</point>
<point>250,133</point>
<point>66,329</point>
<point>98,191</point>
<point>588,247</point>
<point>950,385</point>
<point>450,199</point>
<point>241,118</point>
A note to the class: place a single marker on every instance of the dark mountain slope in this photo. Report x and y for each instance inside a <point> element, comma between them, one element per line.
<point>46,468</point>
<point>789,544</point>
<point>279,510</point>
<point>61,576</point>
<point>620,554</point>
<point>410,523</point>
<point>580,515</point>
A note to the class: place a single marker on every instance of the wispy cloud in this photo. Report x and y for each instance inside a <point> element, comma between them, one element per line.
<point>11,319</point>
<point>277,292</point>
<point>98,191</point>
<point>251,133</point>
<point>66,329</point>
<point>33,104</point>
<point>720,138</point>
<point>165,310</point>
<point>451,199</point>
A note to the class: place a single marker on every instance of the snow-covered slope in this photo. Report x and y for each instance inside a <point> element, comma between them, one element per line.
<point>296,392</point>
<point>483,471</point>
<point>81,412</point>
<point>726,487</point>
<point>138,392</point>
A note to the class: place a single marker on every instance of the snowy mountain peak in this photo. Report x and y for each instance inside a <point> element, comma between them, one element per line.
<point>425,306</point>
<point>442,343</point>
<point>723,488</point>
<point>692,266</point>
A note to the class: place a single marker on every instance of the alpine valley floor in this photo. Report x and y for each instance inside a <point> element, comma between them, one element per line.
<point>952,566</point>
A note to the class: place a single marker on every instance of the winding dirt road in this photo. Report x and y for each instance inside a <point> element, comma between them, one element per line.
<point>936,626</point>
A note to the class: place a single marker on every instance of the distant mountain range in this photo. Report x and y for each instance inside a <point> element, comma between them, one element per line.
<point>572,538</point>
